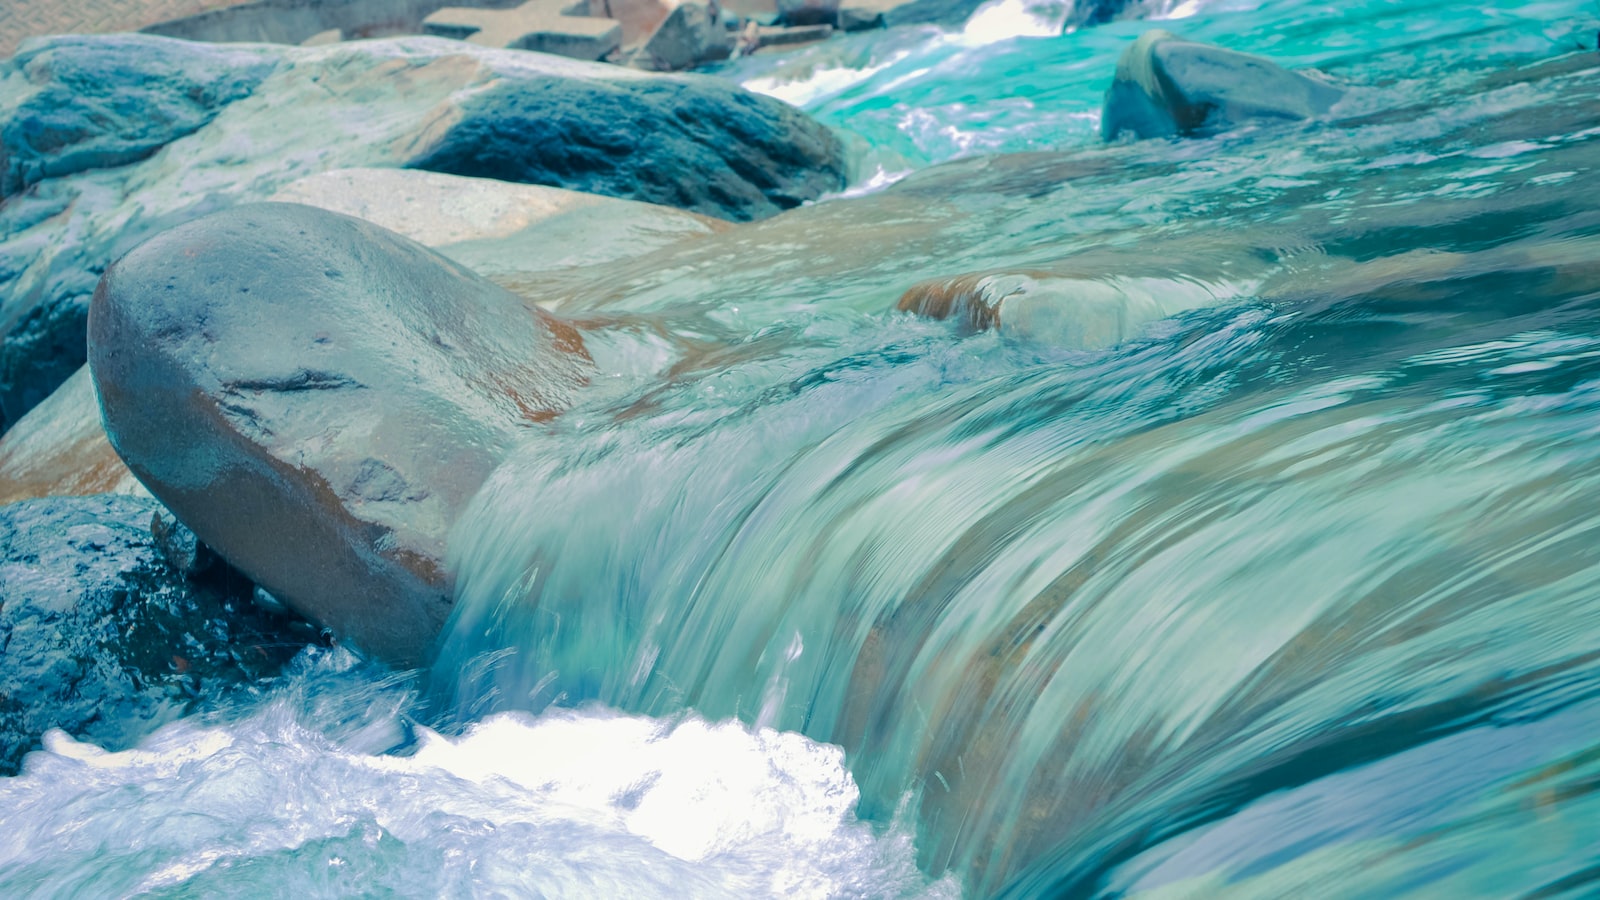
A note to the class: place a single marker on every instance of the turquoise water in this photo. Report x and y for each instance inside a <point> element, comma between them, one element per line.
<point>1251,554</point>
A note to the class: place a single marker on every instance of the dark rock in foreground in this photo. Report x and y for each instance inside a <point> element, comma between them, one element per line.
<point>103,638</point>
<point>1168,86</point>
<point>317,398</point>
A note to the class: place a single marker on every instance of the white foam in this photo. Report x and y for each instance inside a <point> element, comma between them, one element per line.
<point>584,803</point>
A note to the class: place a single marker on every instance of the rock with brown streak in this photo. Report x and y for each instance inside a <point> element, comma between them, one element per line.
<point>317,398</point>
<point>59,449</point>
<point>1076,313</point>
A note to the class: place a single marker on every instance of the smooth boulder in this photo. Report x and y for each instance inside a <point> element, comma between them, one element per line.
<point>104,638</point>
<point>317,398</point>
<point>1166,86</point>
<point>693,33</point>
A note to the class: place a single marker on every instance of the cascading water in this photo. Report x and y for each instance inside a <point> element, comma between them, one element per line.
<point>1257,558</point>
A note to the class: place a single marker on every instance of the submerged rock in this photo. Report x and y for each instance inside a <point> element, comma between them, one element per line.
<point>106,640</point>
<point>1167,86</point>
<point>317,398</point>
<point>98,171</point>
<point>1080,313</point>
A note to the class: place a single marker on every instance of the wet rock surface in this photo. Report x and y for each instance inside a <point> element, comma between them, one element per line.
<point>79,102</point>
<point>102,637</point>
<point>1166,86</point>
<point>317,398</point>
<point>713,148</point>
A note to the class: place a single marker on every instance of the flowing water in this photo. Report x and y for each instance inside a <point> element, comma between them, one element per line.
<point>1251,553</point>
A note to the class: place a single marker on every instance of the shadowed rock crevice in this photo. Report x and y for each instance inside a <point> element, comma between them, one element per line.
<point>113,620</point>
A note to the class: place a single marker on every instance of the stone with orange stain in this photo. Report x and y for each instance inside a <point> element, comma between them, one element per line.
<point>1078,312</point>
<point>59,449</point>
<point>317,399</point>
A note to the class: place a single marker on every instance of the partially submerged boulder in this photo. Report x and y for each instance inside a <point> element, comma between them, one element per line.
<point>514,234</point>
<point>317,398</point>
<point>1076,313</point>
<point>1166,86</point>
<point>104,638</point>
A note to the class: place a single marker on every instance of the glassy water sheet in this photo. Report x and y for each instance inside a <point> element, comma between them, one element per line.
<point>1115,611</point>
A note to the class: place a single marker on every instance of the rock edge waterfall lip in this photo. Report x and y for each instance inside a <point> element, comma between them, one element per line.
<point>316,398</point>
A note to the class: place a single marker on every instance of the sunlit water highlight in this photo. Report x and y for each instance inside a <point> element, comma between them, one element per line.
<point>1252,556</point>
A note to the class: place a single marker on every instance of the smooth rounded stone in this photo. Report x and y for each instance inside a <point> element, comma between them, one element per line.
<point>502,231</point>
<point>1165,86</point>
<point>1070,313</point>
<point>59,449</point>
<point>295,111</point>
<point>107,641</point>
<point>317,398</point>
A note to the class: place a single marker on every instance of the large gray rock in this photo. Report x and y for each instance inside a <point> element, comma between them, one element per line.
<point>521,236</point>
<point>121,165</point>
<point>1166,86</point>
<point>104,638</point>
<point>317,398</point>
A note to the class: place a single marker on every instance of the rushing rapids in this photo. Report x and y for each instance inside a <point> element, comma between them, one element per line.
<point>1248,552</point>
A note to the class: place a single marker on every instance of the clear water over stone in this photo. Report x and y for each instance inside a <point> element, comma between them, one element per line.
<point>1252,555</point>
